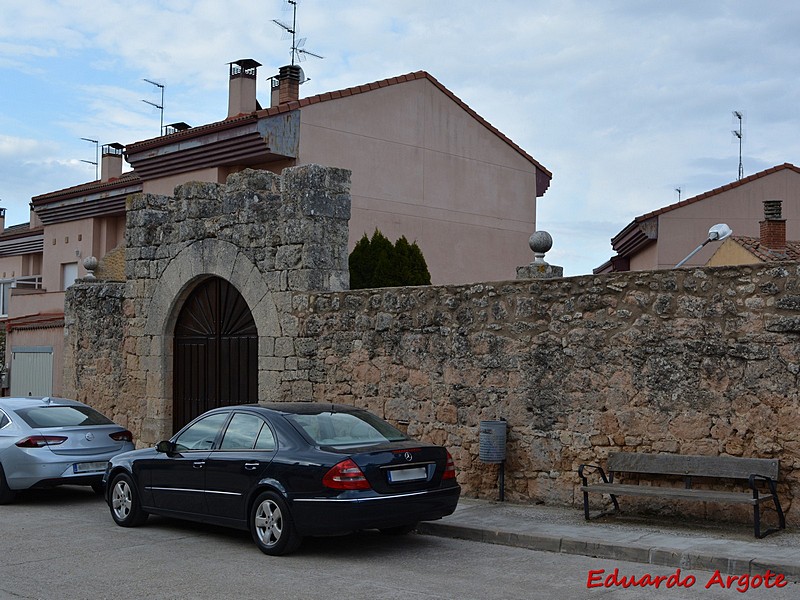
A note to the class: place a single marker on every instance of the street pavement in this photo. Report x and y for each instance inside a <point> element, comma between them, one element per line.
<point>62,544</point>
<point>729,548</point>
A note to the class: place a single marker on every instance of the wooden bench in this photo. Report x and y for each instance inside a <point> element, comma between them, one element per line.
<point>760,474</point>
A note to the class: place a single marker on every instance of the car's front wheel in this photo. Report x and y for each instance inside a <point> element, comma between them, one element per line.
<point>126,508</point>
<point>7,495</point>
<point>271,525</point>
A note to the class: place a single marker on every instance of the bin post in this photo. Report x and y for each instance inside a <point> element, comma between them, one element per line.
<point>492,448</point>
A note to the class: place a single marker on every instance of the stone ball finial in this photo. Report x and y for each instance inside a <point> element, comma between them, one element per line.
<point>540,242</point>
<point>90,264</point>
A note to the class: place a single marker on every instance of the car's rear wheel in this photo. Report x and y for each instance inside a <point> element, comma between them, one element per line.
<point>399,530</point>
<point>272,527</point>
<point>7,495</point>
<point>126,508</point>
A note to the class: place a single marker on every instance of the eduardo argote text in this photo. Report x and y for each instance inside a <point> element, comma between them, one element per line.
<point>599,578</point>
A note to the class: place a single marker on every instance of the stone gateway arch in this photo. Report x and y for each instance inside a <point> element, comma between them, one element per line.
<point>203,318</point>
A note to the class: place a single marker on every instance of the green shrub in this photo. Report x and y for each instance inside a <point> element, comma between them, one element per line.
<point>377,263</point>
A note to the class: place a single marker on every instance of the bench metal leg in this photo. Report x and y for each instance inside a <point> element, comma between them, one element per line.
<point>757,519</point>
<point>589,517</point>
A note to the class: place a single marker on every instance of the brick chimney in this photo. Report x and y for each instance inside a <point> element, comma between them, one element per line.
<point>242,87</point>
<point>2,219</point>
<point>111,162</point>
<point>286,86</point>
<point>773,227</point>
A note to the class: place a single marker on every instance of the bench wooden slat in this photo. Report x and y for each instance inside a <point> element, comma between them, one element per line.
<point>653,491</point>
<point>693,466</point>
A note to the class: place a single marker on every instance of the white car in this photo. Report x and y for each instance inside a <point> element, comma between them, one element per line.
<point>53,441</point>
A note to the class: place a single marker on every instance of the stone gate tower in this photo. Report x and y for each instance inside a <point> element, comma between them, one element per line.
<point>204,316</point>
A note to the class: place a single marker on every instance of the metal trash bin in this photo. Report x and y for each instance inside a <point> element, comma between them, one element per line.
<point>492,447</point>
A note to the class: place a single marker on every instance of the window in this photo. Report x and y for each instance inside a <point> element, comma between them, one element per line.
<point>41,417</point>
<point>5,296</point>
<point>4,420</point>
<point>201,434</point>
<point>246,432</point>
<point>69,273</point>
<point>345,428</point>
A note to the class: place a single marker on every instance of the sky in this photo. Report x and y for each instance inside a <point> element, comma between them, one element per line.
<point>624,101</point>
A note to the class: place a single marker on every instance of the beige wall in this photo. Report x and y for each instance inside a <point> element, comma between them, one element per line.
<point>424,168</point>
<point>165,186</point>
<point>681,230</point>
<point>69,242</point>
<point>731,253</point>
<point>10,267</point>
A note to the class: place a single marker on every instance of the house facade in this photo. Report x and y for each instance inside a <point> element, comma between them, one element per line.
<point>662,238</point>
<point>39,260</point>
<point>424,165</point>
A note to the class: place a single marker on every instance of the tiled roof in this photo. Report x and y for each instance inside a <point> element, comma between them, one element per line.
<point>129,178</point>
<point>21,230</point>
<point>754,246</point>
<point>352,91</point>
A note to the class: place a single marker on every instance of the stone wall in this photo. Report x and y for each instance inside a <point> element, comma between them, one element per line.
<point>95,369</point>
<point>701,361</point>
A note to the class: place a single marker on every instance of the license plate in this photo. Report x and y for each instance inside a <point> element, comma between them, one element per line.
<point>89,467</point>
<point>415,474</point>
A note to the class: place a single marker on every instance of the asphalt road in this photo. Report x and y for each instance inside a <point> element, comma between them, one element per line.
<point>62,544</point>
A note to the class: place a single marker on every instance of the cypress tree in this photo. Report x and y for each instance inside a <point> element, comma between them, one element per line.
<point>376,262</point>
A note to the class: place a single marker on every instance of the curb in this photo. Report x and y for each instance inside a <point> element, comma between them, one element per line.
<point>655,549</point>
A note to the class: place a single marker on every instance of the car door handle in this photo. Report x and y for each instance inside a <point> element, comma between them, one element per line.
<point>251,466</point>
<point>199,464</point>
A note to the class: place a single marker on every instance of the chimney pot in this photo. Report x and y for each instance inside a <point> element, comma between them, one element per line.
<point>111,162</point>
<point>242,87</point>
<point>288,78</point>
<point>773,227</point>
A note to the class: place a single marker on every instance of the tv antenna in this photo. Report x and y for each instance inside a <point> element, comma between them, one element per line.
<point>96,156</point>
<point>737,114</point>
<point>678,189</point>
<point>298,53</point>
<point>160,107</point>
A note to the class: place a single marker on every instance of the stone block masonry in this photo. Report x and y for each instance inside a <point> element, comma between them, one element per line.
<point>700,361</point>
<point>696,361</point>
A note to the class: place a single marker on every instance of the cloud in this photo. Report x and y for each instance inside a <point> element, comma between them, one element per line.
<point>622,100</point>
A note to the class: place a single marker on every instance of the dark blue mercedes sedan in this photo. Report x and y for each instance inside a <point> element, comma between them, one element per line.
<point>284,471</point>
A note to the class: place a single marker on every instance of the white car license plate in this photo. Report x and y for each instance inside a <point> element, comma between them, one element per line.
<point>414,474</point>
<point>89,467</point>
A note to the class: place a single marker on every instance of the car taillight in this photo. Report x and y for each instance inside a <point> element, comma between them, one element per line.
<point>121,436</point>
<point>40,441</point>
<point>345,476</point>
<point>450,468</point>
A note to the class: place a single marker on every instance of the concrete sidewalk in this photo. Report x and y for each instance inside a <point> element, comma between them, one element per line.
<point>730,548</point>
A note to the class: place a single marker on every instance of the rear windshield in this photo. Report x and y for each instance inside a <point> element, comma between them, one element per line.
<point>62,416</point>
<point>346,428</point>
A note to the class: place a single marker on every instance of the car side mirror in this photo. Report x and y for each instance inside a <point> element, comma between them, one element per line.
<point>165,446</point>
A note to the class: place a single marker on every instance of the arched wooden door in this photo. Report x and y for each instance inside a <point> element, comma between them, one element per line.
<point>215,350</point>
